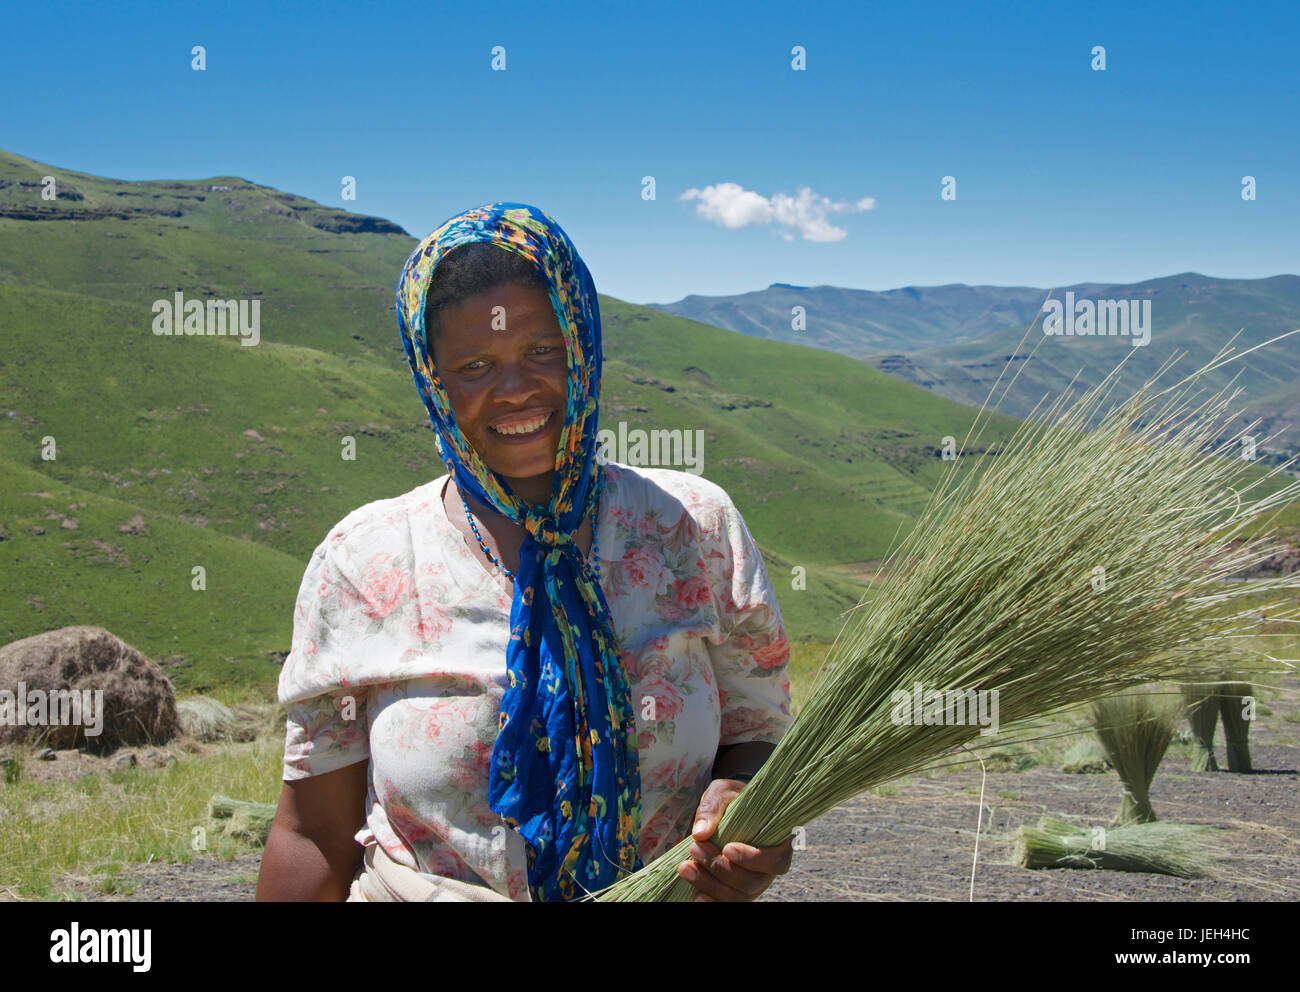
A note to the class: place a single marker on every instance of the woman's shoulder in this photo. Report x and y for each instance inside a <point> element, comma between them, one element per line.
<point>383,521</point>
<point>644,488</point>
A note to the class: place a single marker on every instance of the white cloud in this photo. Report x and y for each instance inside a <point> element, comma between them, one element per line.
<point>732,206</point>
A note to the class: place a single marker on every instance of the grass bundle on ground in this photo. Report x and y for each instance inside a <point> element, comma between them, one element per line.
<point>1202,704</point>
<point>1236,727</point>
<point>1076,563</point>
<point>1135,728</point>
<point>1085,757</point>
<point>206,719</point>
<point>1206,703</point>
<point>210,720</point>
<point>1182,849</point>
<point>245,821</point>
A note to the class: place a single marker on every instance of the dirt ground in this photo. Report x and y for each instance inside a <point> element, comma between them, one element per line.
<point>918,844</point>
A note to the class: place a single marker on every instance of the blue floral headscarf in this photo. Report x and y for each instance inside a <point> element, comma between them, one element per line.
<point>564,765</point>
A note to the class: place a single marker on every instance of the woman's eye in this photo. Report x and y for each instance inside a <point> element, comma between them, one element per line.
<point>478,364</point>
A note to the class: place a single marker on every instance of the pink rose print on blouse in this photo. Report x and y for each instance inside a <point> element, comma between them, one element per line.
<point>444,722</point>
<point>645,568</point>
<point>653,833</point>
<point>407,824</point>
<point>691,498</point>
<point>670,611</point>
<point>446,863</point>
<point>648,526</point>
<point>694,592</point>
<point>383,587</point>
<point>653,666</point>
<point>668,701</point>
<point>428,622</point>
<point>469,771</point>
<point>743,721</point>
<point>664,775</point>
<point>774,655</point>
<point>621,516</point>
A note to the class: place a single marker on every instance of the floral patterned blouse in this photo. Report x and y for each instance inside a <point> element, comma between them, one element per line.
<point>399,648</point>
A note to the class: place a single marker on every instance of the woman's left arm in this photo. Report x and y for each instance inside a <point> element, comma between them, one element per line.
<point>750,662</point>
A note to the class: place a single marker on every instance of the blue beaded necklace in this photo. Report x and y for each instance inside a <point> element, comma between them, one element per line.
<point>594,557</point>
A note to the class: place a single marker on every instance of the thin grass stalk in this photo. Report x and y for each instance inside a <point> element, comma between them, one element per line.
<point>1180,849</point>
<point>1135,728</point>
<point>1074,564</point>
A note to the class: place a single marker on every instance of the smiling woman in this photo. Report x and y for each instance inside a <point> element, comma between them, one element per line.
<point>529,677</point>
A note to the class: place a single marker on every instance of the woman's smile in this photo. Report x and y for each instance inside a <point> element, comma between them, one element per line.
<point>523,428</point>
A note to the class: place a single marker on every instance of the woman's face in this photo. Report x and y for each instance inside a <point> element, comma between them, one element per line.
<point>505,372</point>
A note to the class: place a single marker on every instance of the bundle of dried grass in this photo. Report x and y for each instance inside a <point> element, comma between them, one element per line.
<point>245,821</point>
<point>1181,849</point>
<point>1236,706</point>
<point>1207,702</point>
<point>1077,563</point>
<point>206,719</point>
<point>1202,704</point>
<point>1135,728</point>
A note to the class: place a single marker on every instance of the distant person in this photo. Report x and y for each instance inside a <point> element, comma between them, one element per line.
<point>489,698</point>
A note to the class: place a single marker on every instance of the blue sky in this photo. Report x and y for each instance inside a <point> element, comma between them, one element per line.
<point>1063,174</point>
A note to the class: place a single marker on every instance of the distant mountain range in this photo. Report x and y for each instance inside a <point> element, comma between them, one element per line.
<point>955,340</point>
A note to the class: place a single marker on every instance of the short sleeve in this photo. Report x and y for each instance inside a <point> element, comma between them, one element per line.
<point>326,726</point>
<point>752,651</point>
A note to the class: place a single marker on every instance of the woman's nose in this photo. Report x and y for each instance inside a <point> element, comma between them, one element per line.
<point>516,381</point>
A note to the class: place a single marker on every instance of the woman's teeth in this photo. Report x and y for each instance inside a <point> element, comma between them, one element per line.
<point>525,428</point>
